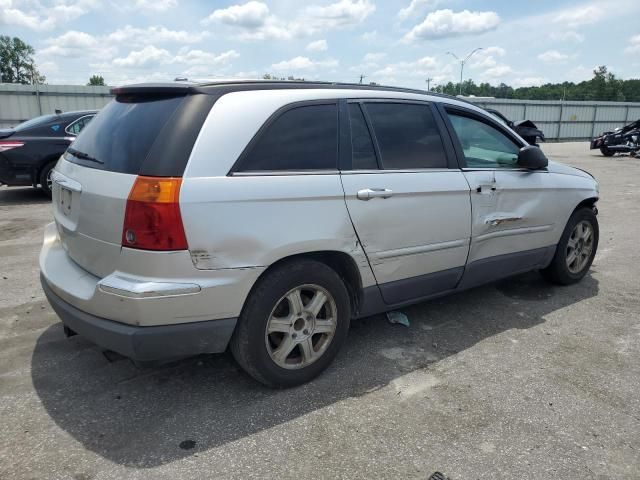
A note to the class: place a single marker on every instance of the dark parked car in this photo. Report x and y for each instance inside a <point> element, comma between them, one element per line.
<point>31,149</point>
<point>525,128</point>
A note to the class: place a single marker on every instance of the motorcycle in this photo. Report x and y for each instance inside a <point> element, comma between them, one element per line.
<point>622,140</point>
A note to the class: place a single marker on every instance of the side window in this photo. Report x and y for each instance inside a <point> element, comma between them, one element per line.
<point>483,145</point>
<point>303,138</point>
<point>76,127</point>
<point>363,153</point>
<point>407,135</point>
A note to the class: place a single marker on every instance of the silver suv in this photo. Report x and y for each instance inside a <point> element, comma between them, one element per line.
<point>265,215</point>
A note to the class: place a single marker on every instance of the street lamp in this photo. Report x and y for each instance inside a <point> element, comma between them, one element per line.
<point>462,62</point>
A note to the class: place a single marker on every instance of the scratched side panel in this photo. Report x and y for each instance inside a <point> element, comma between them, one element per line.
<point>525,211</point>
<point>248,221</point>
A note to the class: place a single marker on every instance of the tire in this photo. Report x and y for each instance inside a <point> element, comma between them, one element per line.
<point>272,302</point>
<point>564,271</point>
<point>45,180</point>
<point>606,152</point>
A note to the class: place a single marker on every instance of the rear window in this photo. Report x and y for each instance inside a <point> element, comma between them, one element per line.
<point>303,138</point>
<point>36,122</point>
<point>120,137</point>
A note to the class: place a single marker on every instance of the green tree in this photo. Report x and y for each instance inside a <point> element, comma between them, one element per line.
<point>16,62</point>
<point>96,80</point>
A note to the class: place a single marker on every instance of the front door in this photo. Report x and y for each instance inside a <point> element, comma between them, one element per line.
<point>512,228</point>
<point>411,211</point>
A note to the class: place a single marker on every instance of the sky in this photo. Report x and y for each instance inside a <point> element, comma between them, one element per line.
<point>400,42</point>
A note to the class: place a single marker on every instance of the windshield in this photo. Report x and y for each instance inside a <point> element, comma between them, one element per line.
<point>35,122</point>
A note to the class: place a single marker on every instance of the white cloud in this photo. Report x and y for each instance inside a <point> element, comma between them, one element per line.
<point>421,67</point>
<point>552,56</point>
<point>374,57</point>
<point>497,71</point>
<point>529,82</point>
<point>369,36</point>
<point>40,18</point>
<point>257,23</point>
<point>200,57</point>
<point>486,58</point>
<point>634,45</point>
<point>75,44</point>
<point>153,35</point>
<point>415,7</point>
<point>318,46</point>
<point>568,36</point>
<point>252,14</point>
<point>149,55</point>
<point>579,15</point>
<point>154,5</point>
<point>303,63</point>
<point>343,13</point>
<point>447,23</point>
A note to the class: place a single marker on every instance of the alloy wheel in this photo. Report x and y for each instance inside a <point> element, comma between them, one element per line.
<point>301,326</point>
<point>579,247</point>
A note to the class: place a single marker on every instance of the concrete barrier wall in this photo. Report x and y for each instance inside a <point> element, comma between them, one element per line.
<point>565,120</point>
<point>22,102</point>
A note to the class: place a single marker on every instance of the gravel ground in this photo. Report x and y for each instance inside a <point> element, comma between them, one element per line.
<point>517,380</point>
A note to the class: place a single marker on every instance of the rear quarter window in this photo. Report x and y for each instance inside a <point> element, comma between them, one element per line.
<point>301,138</point>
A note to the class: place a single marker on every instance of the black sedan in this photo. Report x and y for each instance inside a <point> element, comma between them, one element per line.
<point>31,149</point>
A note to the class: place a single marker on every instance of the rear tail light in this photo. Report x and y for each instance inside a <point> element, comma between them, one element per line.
<point>152,219</point>
<point>8,145</point>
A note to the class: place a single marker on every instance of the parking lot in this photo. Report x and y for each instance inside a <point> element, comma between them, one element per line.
<point>519,379</point>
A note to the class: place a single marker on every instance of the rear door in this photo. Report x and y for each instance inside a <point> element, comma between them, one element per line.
<point>408,200</point>
<point>91,183</point>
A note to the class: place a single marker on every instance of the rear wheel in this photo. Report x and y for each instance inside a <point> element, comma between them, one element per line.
<point>293,324</point>
<point>576,249</point>
<point>606,152</point>
<point>45,178</point>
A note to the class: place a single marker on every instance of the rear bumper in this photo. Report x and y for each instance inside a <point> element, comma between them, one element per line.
<point>144,343</point>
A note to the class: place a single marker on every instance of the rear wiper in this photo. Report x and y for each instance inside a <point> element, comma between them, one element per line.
<point>83,156</point>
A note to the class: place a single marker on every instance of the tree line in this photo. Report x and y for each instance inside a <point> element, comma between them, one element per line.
<point>604,86</point>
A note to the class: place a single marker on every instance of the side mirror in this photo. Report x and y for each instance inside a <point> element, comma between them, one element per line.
<point>532,158</point>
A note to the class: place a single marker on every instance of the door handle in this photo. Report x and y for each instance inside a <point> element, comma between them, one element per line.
<point>369,193</point>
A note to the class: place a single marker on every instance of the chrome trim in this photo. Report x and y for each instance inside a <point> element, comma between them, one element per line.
<point>409,170</point>
<point>369,193</point>
<point>513,231</point>
<point>131,288</point>
<point>66,182</point>
<point>401,252</point>
<point>283,173</point>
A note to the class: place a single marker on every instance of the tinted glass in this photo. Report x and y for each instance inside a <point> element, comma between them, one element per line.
<point>483,145</point>
<point>303,138</point>
<point>76,127</point>
<point>36,122</point>
<point>364,155</point>
<point>120,136</point>
<point>407,136</point>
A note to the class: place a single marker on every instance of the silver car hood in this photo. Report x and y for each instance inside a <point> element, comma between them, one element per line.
<point>563,169</point>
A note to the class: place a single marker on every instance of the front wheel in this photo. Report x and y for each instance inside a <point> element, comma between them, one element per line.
<point>576,249</point>
<point>606,152</point>
<point>293,324</point>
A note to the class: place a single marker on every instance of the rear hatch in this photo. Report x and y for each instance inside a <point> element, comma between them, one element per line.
<point>144,131</point>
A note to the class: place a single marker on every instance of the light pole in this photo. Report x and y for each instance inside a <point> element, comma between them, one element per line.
<point>462,62</point>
